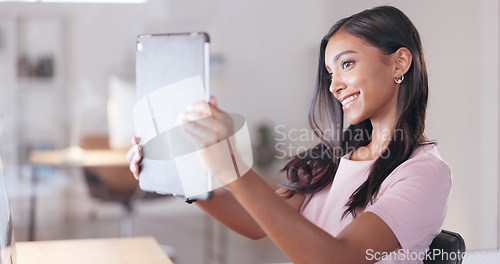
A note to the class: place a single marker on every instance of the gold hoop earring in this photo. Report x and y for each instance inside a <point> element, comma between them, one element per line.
<point>399,79</point>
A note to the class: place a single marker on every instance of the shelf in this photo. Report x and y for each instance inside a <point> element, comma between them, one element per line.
<point>40,53</point>
<point>39,83</point>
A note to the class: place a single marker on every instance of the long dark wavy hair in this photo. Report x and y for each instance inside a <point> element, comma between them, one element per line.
<point>388,29</point>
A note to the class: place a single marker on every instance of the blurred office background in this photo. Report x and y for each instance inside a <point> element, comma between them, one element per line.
<point>67,79</point>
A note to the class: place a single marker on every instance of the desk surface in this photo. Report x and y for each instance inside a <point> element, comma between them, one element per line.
<point>140,250</point>
<point>76,156</point>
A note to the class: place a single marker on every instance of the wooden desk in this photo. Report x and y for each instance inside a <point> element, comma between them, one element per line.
<point>140,250</point>
<point>78,157</point>
<point>71,157</point>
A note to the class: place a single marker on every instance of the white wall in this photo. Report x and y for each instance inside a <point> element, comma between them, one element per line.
<point>269,50</point>
<point>464,109</point>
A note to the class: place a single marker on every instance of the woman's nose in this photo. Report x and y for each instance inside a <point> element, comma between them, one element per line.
<point>336,86</point>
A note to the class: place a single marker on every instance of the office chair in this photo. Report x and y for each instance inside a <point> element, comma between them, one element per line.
<point>451,247</point>
<point>113,184</point>
<point>452,244</point>
<point>117,185</point>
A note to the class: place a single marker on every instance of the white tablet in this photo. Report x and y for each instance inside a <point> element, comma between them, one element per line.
<point>172,71</point>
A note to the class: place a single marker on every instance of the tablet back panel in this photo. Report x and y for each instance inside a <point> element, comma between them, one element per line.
<point>168,58</point>
<point>163,60</point>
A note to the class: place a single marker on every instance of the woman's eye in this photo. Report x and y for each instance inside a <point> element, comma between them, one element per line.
<point>346,64</point>
<point>330,75</point>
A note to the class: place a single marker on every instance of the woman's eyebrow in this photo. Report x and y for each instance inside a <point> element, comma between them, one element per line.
<point>343,53</point>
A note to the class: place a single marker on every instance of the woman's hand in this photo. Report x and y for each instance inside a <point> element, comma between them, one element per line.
<point>209,129</point>
<point>134,156</point>
<point>205,123</point>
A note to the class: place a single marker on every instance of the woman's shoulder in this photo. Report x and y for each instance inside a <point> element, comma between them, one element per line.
<point>425,162</point>
<point>429,150</point>
<point>426,154</point>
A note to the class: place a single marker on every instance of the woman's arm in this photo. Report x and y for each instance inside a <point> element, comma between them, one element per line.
<point>224,208</point>
<point>298,238</point>
<point>301,240</point>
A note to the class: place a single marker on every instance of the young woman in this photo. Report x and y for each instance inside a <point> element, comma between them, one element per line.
<point>376,191</point>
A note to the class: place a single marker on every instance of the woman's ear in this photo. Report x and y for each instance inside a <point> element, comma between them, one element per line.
<point>403,61</point>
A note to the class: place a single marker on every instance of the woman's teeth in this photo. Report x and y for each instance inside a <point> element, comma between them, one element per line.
<point>349,99</point>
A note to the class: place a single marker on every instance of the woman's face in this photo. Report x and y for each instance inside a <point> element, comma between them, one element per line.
<point>362,78</point>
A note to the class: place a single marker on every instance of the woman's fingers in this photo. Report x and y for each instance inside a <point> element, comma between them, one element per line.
<point>204,107</point>
<point>202,135</point>
<point>134,164</point>
<point>131,152</point>
<point>212,126</point>
<point>134,156</point>
<point>134,168</point>
<point>191,116</point>
<point>200,106</point>
<point>135,147</point>
<point>213,101</point>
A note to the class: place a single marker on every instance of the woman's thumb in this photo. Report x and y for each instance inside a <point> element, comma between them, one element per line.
<point>213,101</point>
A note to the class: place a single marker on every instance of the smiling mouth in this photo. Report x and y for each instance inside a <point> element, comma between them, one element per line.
<point>349,99</point>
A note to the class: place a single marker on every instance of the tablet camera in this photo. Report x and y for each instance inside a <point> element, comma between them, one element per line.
<point>139,46</point>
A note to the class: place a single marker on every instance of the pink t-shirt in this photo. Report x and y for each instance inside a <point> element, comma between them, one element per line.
<point>412,201</point>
